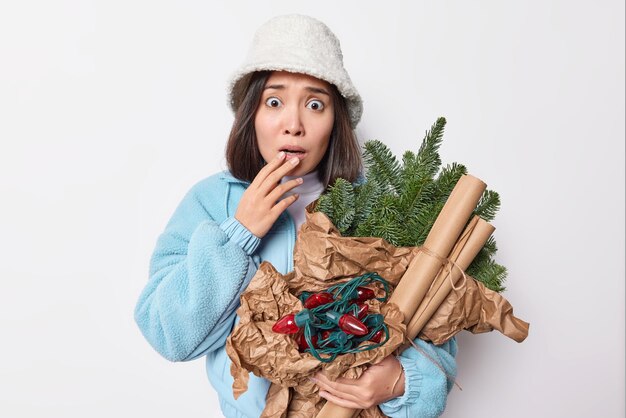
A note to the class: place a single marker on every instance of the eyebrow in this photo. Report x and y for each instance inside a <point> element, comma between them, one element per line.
<point>308,88</point>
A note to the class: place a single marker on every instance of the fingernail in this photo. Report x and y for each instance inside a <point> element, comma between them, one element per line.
<point>295,161</point>
<point>281,155</point>
<point>300,180</point>
<point>312,379</point>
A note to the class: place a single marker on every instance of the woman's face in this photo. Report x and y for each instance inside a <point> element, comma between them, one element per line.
<point>295,115</point>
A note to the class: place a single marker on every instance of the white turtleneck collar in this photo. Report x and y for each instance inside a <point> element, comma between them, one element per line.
<point>309,190</point>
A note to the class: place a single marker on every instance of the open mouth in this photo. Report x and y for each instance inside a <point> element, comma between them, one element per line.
<point>293,150</point>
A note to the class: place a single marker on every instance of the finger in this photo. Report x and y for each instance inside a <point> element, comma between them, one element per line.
<point>339,382</point>
<point>272,179</point>
<point>268,169</point>
<point>340,401</point>
<point>283,188</point>
<point>283,204</point>
<point>336,388</point>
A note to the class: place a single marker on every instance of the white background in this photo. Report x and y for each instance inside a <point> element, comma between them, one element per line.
<point>111,110</point>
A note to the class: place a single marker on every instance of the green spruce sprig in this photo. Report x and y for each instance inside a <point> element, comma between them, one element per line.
<point>401,201</point>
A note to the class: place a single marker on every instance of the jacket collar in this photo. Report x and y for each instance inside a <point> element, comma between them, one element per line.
<point>228,177</point>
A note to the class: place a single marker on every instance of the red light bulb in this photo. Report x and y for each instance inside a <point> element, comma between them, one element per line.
<point>317,299</point>
<point>350,325</point>
<point>303,345</point>
<point>286,325</point>
<point>362,312</point>
<point>347,323</point>
<point>364,293</point>
<point>377,336</point>
<point>290,324</point>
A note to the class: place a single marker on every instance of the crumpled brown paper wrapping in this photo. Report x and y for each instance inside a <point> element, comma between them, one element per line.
<point>476,308</point>
<point>322,258</point>
<point>253,346</point>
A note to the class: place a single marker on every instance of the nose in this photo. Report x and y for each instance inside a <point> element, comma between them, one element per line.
<point>293,122</point>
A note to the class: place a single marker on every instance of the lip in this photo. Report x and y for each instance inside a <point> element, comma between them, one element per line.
<point>301,152</point>
<point>292,148</point>
<point>289,156</point>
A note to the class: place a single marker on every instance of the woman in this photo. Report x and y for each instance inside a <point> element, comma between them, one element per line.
<point>295,111</point>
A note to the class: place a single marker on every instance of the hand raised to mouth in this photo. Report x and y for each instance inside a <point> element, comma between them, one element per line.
<point>260,206</point>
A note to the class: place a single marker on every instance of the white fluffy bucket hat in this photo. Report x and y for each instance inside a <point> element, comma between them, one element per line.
<point>298,44</point>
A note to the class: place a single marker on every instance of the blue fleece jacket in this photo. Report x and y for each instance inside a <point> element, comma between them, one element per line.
<point>201,264</point>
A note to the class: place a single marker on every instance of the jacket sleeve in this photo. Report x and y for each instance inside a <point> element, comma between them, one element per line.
<point>426,385</point>
<point>197,271</point>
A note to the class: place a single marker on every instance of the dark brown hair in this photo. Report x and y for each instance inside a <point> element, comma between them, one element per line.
<point>342,158</point>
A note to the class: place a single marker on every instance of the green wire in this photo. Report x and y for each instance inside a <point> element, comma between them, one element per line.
<point>344,294</point>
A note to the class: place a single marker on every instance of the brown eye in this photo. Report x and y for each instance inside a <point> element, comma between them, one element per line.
<point>273,102</point>
<point>315,105</point>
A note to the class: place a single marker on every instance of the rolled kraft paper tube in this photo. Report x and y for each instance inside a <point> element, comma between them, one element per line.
<point>445,232</point>
<point>472,241</point>
<point>443,273</point>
